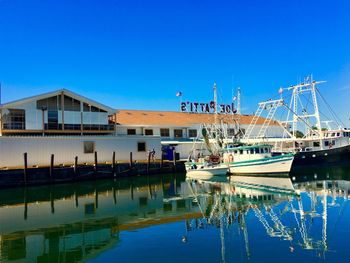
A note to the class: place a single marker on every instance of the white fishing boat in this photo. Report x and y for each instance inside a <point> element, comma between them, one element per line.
<point>205,170</point>
<point>313,141</point>
<point>256,159</point>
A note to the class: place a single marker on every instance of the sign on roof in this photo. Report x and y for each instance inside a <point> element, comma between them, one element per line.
<point>200,107</point>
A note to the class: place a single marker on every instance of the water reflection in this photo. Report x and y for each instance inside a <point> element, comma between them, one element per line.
<point>244,217</point>
<point>77,222</point>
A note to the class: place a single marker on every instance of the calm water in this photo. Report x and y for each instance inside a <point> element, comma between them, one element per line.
<point>169,218</point>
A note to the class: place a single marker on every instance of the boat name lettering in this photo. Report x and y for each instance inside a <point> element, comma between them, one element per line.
<point>200,107</point>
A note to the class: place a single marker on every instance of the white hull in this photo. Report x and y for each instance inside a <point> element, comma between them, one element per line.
<point>262,167</point>
<point>207,172</point>
<point>283,184</point>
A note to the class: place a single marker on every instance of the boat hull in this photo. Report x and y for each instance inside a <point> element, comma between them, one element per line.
<point>206,172</point>
<point>273,165</point>
<point>333,156</point>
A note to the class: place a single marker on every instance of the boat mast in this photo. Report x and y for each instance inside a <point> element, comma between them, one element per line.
<point>215,103</point>
<point>308,86</point>
<point>239,100</point>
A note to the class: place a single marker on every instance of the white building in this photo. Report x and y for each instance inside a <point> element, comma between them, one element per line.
<point>179,129</point>
<point>65,124</point>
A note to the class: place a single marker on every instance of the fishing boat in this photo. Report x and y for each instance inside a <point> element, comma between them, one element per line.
<point>205,168</point>
<point>313,141</point>
<point>256,159</point>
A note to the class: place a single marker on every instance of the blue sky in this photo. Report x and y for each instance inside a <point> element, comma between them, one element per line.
<point>138,54</point>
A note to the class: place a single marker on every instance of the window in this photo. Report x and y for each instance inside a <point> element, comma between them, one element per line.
<point>326,143</point>
<point>14,119</point>
<point>192,133</point>
<point>338,134</point>
<point>148,132</point>
<point>256,150</point>
<point>51,103</point>
<point>131,131</point>
<point>230,132</point>
<point>52,120</point>
<point>71,104</point>
<point>316,144</point>
<point>141,146</point>
<point>90,108</point>
<point>164,133</point>
<point>89,147</point>
<point>240,151</point>
<point>143,201</point>
<point>252,151</point>
<point>178,133</point>
<point>90,209</point>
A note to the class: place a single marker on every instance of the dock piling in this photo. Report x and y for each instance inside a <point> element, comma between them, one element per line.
<point>130,160</point>
<point>95,167</point>
<point>148,162</point>
<point>76,165</point>
<point>51,166</point>
<point>113,164</point>
<point>25,170</point>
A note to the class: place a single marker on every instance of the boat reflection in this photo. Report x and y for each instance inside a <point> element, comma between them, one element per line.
<point>293,212</point>
<point>78,222</point>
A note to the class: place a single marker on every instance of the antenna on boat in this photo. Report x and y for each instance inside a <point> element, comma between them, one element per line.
<point>215,102</point>
<point>239,100</point>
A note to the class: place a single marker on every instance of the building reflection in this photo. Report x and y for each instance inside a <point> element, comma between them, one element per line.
<point>77,222</point>
<point>69,223</point>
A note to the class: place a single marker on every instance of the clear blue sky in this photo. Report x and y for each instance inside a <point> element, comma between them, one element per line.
<point>138,54</point>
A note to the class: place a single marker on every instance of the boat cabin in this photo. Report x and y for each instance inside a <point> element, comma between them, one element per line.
<point>247,153</point>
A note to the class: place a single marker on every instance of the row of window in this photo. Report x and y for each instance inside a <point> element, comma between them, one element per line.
<point>54,103</point>
<point>164,132</point>
<point>253,151</point>
<point>337,134</point>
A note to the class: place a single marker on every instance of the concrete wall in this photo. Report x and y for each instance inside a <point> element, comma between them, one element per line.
<point>39,149</point>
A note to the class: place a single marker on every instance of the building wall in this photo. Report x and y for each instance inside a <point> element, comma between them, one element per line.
<point>65,149</point>
<point>33,116</point>
<point>272,131</point>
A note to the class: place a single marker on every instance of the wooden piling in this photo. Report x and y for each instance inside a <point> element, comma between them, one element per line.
<point>76,165</point>
<point>148,162</point>
<point>113,163</point>
<point>52,201</point>
<point>25,204</point>
<point>76,199</point>
<point>96,198</point>
<point>95,166</point>
<point>51,166</point>
<point>114,193</point>
<point>25,170</point>
<point>131,164</point>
